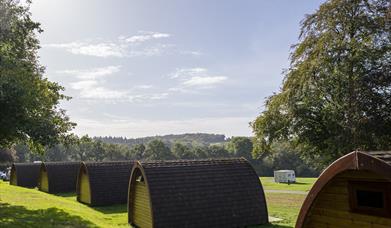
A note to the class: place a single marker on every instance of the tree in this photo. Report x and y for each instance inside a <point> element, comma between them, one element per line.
<point>22,152</point>
<point>285,157</point>
<point>137,152</point>
<point>29,102</point>
<point>240,147</point>
<point>98,152</point>
<point>56,153</point>
<point>182,151</point>
<point>7,155</point>
<point>199,151</point>
<point>336,94</point>
<point>217,151</point>
<point>80,149</point>
<point>157,150</point>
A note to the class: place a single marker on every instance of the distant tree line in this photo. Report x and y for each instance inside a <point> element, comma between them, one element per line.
<point>201,138</point>
<point>95,149</point>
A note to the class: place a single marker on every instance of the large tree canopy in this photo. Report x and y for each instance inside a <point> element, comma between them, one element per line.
<point>336,95</point>
<point>29,109</point>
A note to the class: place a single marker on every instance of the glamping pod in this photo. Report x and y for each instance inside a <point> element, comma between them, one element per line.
<point>196,193</point>
<point>354,191</point>
<point>56,177</point>
<point>103,183</point>
<point>25,174</point>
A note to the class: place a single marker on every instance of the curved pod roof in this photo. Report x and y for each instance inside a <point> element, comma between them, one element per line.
<point>103,183</point>
<point>57,177</point>
<point>196,193</point>
<point>377,163</point>
<point>25,174</point>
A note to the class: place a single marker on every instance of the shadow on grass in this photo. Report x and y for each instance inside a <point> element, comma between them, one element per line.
<point>19,216</point>
<point>270,225</point>
<point>114,209</point>
<point>300,183</point>
<point>66,194</point>
<point>296,183</point>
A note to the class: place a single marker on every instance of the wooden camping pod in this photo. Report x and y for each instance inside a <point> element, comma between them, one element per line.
<point>25,174</point>
<point>57,177</point>
<point>196,193</point>
<point>354,191</point>
<point>103,183</point>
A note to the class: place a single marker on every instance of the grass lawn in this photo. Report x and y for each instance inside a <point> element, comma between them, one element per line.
<point>283,206</point>
<point>23,207</point>
<point>302,184</point>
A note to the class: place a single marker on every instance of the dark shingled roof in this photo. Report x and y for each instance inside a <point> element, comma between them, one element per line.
<point>382,155</point>
<point>61,176</point>
<point>203,193</point>
<point>26,174</point>
<point>109,181</point>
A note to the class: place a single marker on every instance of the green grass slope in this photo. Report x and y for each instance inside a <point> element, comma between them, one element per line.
<point>23,207</point>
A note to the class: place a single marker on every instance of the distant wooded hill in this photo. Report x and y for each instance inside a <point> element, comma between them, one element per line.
<point>189,138</point>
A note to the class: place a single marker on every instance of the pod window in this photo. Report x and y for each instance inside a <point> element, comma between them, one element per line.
<point>371,198</point>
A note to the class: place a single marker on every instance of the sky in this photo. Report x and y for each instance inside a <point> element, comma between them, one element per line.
<point>144,68</point>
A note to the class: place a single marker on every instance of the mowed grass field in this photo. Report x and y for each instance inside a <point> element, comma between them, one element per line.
<point>23,207</point>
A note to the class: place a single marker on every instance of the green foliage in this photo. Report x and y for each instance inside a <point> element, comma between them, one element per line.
<point>285,157</point>
<point>240,147</point>
<point>336,95</point>
<point>217,151</point>
<point>137,152</point>
<point>7,155</point>
<point>198,138</point>
<point>182,151</point>
<point>157,150</point>
<point>29,102</point>
<point>98,152</point>
<point>88,149</point>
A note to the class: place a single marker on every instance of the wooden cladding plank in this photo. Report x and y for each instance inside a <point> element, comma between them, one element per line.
<point>336,190</point>
<point>359,175</point>
<point>13,179</point>
<point>44,181</point>
<point>85,191</point>
<point>339,222</point>
<point>142,211</point>
<point>353,216</point>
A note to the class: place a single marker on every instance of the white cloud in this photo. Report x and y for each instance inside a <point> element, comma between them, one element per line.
<point>92,85</point>
<point>194,53</point>
<point>92,49</point>
<point>103,93</point>
<point>204,81</point>
<point>188,72</point>
<point>158,96</point>
<point>92,73</point>
<point>121,47</point>
<point>142,44</point>
<point>197,77</point>
<point>143,86</point>
<point>81,85</point>
<point>145,36</point>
